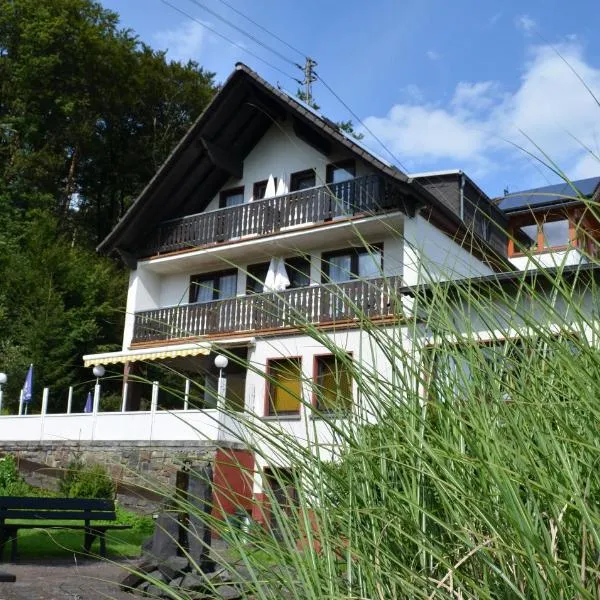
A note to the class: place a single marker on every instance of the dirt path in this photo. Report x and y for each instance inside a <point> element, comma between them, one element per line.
<point>64,580</point>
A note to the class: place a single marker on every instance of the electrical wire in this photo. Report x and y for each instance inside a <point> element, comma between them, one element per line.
<point>244,32</point>
<point>281,40</point>
<point>228,40</point>
<point>359,120</point>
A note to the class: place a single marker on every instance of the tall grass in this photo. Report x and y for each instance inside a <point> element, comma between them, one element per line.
<point>468,466</point>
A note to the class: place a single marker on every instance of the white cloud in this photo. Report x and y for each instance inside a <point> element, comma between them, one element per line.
<point>525,23</point>
<point>495,18</point>
<point>183,43</point>
<point>476,126</point>
<point>432,55</point>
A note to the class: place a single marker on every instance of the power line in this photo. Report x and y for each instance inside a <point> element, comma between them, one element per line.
<point>230,41</point>
<point>281,40</point>
<point>359,120</point>
<point>244,32</point>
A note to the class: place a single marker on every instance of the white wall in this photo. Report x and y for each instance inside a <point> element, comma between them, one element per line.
<point>280,153</point>
<point>429,254</point>
<point>144,293</point>
<point>557,258</point>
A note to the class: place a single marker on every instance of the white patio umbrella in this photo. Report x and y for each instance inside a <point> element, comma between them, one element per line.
<point>281,186</point>
<point>277,279</point>
<point>270,191</point>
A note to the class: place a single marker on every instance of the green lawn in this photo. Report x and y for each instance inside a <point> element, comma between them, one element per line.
<point>57,543</point>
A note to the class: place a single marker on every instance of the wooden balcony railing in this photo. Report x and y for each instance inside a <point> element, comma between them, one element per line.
<point>370,194</point>
<point>291,309</point>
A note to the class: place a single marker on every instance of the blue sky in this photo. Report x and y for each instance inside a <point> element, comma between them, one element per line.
<point>443,84</point>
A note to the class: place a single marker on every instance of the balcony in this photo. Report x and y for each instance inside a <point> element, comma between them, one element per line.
<point>328,304</point>
<point>368,195</point>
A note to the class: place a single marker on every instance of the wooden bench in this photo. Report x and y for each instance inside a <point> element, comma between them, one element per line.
<point>30,513</point>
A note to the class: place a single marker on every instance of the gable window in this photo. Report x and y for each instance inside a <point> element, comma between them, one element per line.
<point>353,263</point>
<point>340,172</point>
<point>333,384</point>
<point>297,268</point>
<point>284,386</point>
<point>213,286</point>
<point>259,191</point>
<point>233,197</point>
<point>302,180</point>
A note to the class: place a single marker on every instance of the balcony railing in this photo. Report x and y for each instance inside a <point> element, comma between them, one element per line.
<point>370,194</point>
<point>291,309</point>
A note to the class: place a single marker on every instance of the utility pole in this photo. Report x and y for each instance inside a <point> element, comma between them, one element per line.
<point>309,79</point>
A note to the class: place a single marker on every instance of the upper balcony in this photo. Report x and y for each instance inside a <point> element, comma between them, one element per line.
<point>324,305</point>
<point>358,197</point>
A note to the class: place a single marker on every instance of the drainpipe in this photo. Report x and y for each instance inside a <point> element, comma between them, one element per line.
<point>462,196</point>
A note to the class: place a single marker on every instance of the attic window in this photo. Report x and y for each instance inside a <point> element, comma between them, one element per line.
<point>233,197</point>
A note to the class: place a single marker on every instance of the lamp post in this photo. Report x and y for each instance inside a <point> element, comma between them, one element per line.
<point>221,363</point>
<point>98,372</point>
<point>3,380</point>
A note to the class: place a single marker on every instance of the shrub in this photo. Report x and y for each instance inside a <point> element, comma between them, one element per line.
<point>11,482</point>
<point>85,481</point>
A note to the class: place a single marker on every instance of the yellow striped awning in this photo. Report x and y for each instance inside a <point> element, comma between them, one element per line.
<point>157,353</point>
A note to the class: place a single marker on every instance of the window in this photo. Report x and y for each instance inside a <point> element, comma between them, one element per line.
<point>233,197</point>
<point>340,172</point>
<point>555,233</point>
<point>303,180</point>
<point>333,384</point>
<point>213,286</point>
<point>284,386</point>
<point>259,190</point>
<point>353,263</point>
<point>551,233</point>
<point>255,278</point>
<point>298,271</point>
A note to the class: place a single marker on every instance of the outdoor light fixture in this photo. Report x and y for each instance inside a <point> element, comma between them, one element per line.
<point>221,362</point>
<point>98,371</point>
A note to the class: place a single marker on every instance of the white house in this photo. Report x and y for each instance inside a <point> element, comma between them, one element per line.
<point>264,218</point>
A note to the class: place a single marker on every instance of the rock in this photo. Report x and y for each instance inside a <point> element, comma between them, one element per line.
<point>147,545</point>
<point>173,567</point>
<point>144,586</point>
<point>157,576</point>
<point>147,565</point>
<point>165,541</point>
<point>228,592</point>
<point>176,583</point>
<point>200,499</point>
<point>193,583</point>
<point>130,581</point>
<point>154,591</point>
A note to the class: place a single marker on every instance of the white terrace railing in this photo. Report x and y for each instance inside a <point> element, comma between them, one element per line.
<point>209,425</point>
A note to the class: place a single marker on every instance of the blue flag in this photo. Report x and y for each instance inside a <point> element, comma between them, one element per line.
<point>28,386</point>
<point>89,406</point>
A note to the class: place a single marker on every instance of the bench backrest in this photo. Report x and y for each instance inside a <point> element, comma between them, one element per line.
<point>57,509</point>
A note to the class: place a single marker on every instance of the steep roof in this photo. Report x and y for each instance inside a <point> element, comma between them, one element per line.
<point>549,195</point>
<point>224,134</point>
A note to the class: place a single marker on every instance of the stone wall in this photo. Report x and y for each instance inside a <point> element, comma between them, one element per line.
<point>143,471</point>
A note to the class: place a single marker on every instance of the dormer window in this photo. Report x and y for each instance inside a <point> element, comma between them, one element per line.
<point>233,197</point>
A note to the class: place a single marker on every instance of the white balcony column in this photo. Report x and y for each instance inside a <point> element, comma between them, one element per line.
<point>153,407</point>
<point>45,395</point>
<point>186,395</point>
<point>124,399</point>
<point>70,400</point>
<point>3,380</point>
